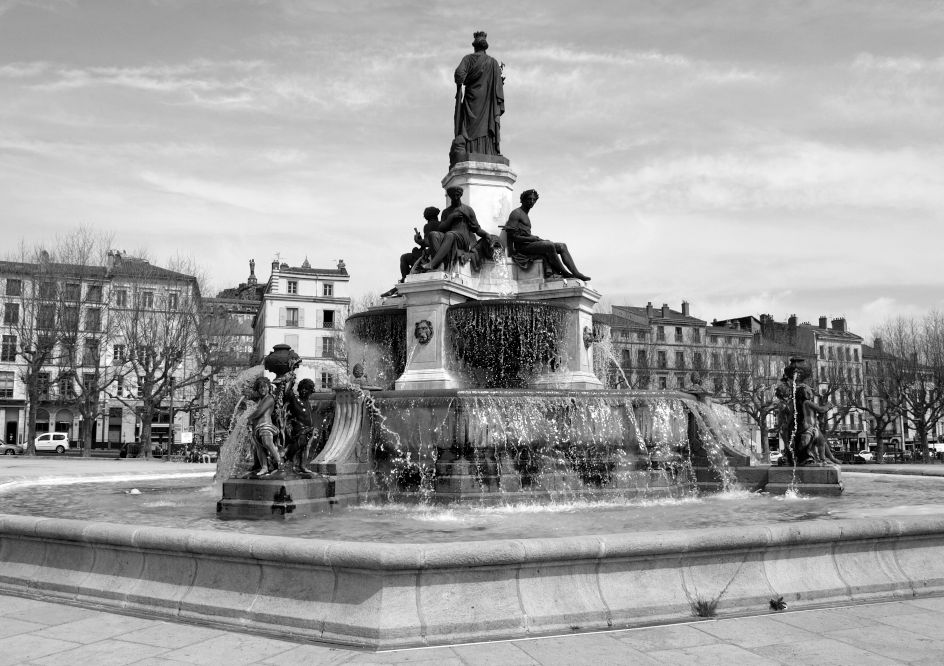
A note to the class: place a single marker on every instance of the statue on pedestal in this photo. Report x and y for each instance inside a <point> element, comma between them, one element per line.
<point>799,417</point>
<point>264,432</point>
<point>455,238</point>
<point>478,111</point>
<point>301,427</point>
<point>524,247</point>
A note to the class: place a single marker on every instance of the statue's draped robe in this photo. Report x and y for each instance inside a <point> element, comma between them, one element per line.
<point>471,243</point>
<point>482,105</point>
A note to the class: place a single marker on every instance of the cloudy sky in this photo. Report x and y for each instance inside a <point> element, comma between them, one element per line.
<point>747,156</point>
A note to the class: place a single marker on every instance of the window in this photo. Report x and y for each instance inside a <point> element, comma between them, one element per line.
<point>70,317</point>
<point>327,380</point>
<point>90,352</point>
<point>829,353</point>
<point>88,382</point>
<point>6,384</point>
<point>742,342</point>
<point>697,363</point>
<point>625,358</point>
<point>66,388</point>
<point>680,381</point>
<point>11,313</point>
<point>8,349</point>
<point>848,354</point>
<point>641,336</point>
<point>641,360</point>
<point>42,385</point>
<point>46,317</point>
<point>291,317</point>
<point>855,355</point>
<point>663,362</point>
<point>47,290</point>
<point>119,392</point>
<point>696,335</point>
<point>293,286</point>
<point>679,359</point>
<point>173,300</point>
<point>678,334</point>
<point>147,299</point>
<point>118,354</point>
<point>713,339</point>
<point>14,287</point>
<point>94,293</point>
<point>327,346</point>
<point>327,289</point>
<point>660,333</point>
<point>822,373</point>
<point>822,351</point>
<point>121,298</point>
<point>93,320</point>
<point>716,360</point>
<point>663,383</point>
<point>718,383</point>
<point>328,319</point>
<point>292,341</point>
<point>72,292</point>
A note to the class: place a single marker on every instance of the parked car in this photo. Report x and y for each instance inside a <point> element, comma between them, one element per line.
<point>52,441</point>
<point>775,457</point>
<point>11,449</point>
<point>865,456</point>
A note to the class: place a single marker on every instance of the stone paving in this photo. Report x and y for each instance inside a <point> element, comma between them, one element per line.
<point>901,632</point>
<point>42,632</point>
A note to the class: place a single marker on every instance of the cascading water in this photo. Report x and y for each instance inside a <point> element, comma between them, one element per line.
<point>377,341</point>
<point>505,343</point>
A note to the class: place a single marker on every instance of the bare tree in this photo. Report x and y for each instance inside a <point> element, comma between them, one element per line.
<point>882,397</point>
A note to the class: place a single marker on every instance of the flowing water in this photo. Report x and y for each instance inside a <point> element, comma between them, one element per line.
<point>190,503</point>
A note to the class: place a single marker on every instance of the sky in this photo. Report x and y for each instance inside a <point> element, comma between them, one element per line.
<point>747,157</point>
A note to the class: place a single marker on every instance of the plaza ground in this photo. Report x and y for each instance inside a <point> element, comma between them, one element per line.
<point>33,631</point>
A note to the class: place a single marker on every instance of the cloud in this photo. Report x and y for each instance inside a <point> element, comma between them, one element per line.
<point>277,200</point>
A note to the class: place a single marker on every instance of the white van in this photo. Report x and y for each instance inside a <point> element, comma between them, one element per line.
<point>52,441</point>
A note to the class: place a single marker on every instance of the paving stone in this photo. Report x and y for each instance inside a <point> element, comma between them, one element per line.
<point>231,649</point>
<point>879,611</point>
<point>828,619</point>
<point>10,626</point>
<point>822,652</point>
<point>424,656</point>
<point>171,634</point>
<point>43,612</point>
<point>927,624</point>
<point>583,649</point>
<point>893,643</point>
<point>311,654</point>
<point>706,655</point>
<point>493,654</point>
<point>930,603</point>
<point>102,653</point>
<point>750,632</point>
<point>667,637</point>
<point>96,628</point>
<point>28,647</point>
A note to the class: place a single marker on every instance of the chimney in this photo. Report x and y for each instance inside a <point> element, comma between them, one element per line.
<point>275,265</point>
<point>341,265</point>
<point>839,324</point>
<point>877,344</point>
<point>792,321</point>
<point>822,322</point>
<point>665,310</point>
<point>649,309</point>
<point>685,308</point>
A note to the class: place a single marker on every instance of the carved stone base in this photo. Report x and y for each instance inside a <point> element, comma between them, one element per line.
<point>255,499</point>
<point>820,481</point>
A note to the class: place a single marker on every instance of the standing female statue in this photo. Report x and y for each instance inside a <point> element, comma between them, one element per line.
<point>479,110</point>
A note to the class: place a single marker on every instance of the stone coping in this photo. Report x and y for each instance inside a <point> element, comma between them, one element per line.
<point>494,553</point>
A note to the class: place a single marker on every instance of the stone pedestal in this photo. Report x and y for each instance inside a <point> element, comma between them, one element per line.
<point>807,480</point>
<point>487,189</point>
<point>427,297</point>
<point>579,299</point>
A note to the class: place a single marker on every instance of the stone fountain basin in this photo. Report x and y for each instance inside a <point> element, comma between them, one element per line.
<point>384,596</point>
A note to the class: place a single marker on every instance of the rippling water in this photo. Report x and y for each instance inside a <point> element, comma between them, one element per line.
<point>191,503</point>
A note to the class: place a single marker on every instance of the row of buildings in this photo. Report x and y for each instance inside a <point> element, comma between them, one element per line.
<point>741,359</point>
<point>129,351</point>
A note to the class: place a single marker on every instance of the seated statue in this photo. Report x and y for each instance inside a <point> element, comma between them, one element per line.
<point>454,240</point>
<point>524,247</point>
<point>410,261</point>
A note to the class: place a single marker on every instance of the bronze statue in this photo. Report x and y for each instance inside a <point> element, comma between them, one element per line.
<point>799,417</point>
<point>301,427</point>
<point>410,262</point>
<point>264,432</point>
<point>478,111</point>
<point>524,247</point>
<point>455,238</point>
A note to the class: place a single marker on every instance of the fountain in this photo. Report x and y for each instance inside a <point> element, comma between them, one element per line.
<point>484,391</point>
